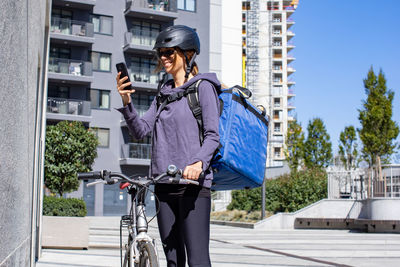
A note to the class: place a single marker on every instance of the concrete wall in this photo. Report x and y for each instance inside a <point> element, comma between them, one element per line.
<point>374,209</point>
<point>22,83</point>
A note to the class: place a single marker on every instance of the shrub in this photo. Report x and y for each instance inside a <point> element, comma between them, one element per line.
<point>70,148</point>
<point>287,193</point>
<point>55,206</point>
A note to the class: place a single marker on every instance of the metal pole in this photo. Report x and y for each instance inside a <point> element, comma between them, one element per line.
<point>263,200</point>
<point>391,181</point>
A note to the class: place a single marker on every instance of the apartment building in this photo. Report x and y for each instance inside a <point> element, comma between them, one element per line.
<point>87,39</point>
<point>267,46</point>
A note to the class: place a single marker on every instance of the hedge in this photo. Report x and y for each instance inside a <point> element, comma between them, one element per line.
<point>286,193</point>
<point>72,207</point>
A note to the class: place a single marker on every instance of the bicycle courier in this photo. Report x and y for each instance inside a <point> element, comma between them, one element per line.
<point>239,161</point>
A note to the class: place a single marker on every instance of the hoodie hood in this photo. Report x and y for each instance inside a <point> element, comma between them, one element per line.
<point>211,77</point>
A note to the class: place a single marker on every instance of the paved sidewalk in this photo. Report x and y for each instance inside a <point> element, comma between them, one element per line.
<point>232,246</point>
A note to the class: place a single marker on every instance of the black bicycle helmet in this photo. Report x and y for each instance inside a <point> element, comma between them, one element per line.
<point>180,36</point>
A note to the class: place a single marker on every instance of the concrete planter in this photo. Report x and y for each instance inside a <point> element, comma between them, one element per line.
<point>65,232</point>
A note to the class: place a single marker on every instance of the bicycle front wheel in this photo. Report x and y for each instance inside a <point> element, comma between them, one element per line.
<point>148,257</point>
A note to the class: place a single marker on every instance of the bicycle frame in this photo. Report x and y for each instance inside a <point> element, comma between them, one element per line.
<point>135,222</point>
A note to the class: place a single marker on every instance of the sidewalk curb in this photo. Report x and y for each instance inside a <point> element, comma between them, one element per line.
<point>234,224</point>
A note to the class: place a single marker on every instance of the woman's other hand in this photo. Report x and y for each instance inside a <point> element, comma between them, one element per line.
<point>125,94</point>
<point>193,171</point>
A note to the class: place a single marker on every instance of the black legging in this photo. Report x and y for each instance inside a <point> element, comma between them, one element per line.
<point>184,222</point>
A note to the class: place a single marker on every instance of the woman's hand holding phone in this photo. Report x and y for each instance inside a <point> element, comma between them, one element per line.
<point>121,86</point>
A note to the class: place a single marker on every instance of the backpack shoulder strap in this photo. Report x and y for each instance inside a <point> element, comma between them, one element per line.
<point>194,105</point>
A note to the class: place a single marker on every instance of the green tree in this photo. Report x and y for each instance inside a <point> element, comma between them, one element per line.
<point>294,150</point>
<point>70,148</point>
<point>378,131</point>
<point>317,147</point>
<point>348,147</point>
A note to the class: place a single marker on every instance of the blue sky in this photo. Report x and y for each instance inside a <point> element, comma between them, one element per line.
<point>337,41</point>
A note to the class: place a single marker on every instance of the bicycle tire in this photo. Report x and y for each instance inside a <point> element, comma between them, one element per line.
<point>148,256</point>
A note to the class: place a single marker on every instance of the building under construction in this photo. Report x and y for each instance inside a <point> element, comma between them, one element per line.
<point>267,45</point>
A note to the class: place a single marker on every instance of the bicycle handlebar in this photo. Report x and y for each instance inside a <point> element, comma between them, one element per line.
<point>108,177</point>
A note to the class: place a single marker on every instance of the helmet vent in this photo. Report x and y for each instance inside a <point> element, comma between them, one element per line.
<point>167,40</point>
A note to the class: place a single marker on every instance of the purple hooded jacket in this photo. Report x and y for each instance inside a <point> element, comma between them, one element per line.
<point>175,132</point>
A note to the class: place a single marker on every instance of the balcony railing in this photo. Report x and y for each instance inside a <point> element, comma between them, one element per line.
<point>142,37</point>
<point>136,151</point>
<point>68,106</point>
<point>151,4</point>
<point>139,75</point>
<point>72,27</point>
<point>70,66</point>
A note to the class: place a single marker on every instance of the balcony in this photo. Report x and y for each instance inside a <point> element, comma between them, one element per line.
<point>290,46</point>
<point>290,106</point>
<point>71,71</point>
<point>277,33</point>
<point>142,79</point>
<point>68,109</point>
<point>290,70</point>
<point>291,82</point>
<point>135,154</point>
<point>154,10</point>
<point>291,93</point>
<point>289,22</point>
<point>79,4</point>
<point>290,35</point>
<point>140,41</point>
<point>290,58</point>
<point>277,69</point>
<point>277,57</point>
<point>277,44</point>
<point>72,32</point>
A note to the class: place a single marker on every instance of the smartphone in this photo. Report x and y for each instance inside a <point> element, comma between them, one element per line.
<point>121,67</point>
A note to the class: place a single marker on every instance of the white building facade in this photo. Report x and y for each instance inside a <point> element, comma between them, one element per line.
<point>267,65</point>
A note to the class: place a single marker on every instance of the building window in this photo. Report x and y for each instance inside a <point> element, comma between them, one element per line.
<point>277,102</point>
<point>103,135</point>
<point>60,52</point>
<point>61,13</point>
<point>58,91</point>
<point>246,5</point>
<point>277,152</point>
<point>277,127</point>
<point>243,29</point>
<point>277,90</point>
<point>243,17</point>
<point>100,99</point>
<point>277,114</point>
<point>145,33</point>
<point>101,61</point>
<point>142,70</point>
<point>102,24</point>
<point>188,5</point>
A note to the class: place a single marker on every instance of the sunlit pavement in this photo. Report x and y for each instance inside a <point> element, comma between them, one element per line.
<point>233,246</point>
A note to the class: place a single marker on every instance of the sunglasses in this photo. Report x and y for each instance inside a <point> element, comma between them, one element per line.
<point>165,53</point>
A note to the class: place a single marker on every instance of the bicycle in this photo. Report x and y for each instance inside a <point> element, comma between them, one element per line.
<point>140,249</point>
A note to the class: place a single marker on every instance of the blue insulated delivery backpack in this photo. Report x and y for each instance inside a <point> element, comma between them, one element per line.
<point>239,161</point>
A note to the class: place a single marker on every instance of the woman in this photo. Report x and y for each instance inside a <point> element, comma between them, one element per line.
<point>184,210</point>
